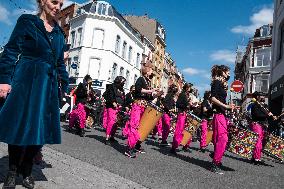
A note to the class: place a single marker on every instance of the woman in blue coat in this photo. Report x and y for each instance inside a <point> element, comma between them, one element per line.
<point>30,68</point>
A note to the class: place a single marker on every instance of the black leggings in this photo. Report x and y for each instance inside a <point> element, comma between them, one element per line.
<point>21,158</point>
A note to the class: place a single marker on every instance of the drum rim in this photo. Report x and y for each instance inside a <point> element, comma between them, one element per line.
<point>159,109</point>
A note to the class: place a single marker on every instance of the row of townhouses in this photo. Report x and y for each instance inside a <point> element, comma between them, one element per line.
<point>260,64</point>
<point>106,44</point>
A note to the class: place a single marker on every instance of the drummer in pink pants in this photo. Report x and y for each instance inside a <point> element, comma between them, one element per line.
<point>169,106</point>
<point>206,113</point>
<point>220,76</point>
<point>115,98</point>
<point>259,115</point>
<point>143,93</point>
<point>183,106</point>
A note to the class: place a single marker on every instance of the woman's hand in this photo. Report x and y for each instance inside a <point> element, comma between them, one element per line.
<point>4,90</point>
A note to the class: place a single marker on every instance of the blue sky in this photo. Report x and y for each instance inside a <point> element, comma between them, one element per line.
<point>199,34</point>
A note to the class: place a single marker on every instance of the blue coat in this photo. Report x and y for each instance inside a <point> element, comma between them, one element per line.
<point>31,63</point>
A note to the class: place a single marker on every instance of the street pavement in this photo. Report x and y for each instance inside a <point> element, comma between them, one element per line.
<point>89,163</point>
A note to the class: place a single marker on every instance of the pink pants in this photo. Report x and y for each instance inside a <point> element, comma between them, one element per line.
<point>105,118</point>
<point>220,137</point>
<point>257,128</point>
<point>166,122</point>
<point>131,127</point>
<point>158,128</point>
<point>111,115</point>
<point>203,127</point>
<point>178,131</point>
<point>79,114</point>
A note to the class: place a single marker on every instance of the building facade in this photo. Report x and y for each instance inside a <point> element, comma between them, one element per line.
<point>253,64</point>
<point>154,31</point>
<point>276,102</point>
<point>104,45</point>
<point>65,16</point>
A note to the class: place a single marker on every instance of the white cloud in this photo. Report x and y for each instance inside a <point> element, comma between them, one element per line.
<point>4,15</point>
<point>67,3</point>
<point>196,72</point>
<point>262,17</point>
<point>223,55</point>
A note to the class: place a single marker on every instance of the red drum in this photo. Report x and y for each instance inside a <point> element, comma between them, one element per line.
<point>274,147</point>
<point>241,141</point>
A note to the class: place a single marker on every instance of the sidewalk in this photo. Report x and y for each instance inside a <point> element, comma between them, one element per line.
<point>68,172</point>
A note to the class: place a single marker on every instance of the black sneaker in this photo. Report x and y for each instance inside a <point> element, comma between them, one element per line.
<point>10,180</point>
<point>130,153</point>
<point>185,149</point>
<point>164,143</point>
<point>112,139</point>
<point>140,150</point>
<point>216,169</point>
<point>211,155</point>
<point>107,142</point>
<point>203,150</point>
<point>173,151</point>
<point>82,133</point>
<point>29,182</point>
<point>259,162</point>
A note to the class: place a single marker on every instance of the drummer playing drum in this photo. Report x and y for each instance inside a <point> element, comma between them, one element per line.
<point>143,93</point>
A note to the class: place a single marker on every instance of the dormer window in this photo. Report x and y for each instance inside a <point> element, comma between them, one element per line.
<point>264,31</point>
<point>102,8</point>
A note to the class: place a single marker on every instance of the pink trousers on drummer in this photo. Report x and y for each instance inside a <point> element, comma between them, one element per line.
<point>131,127</point>
<point>220,137</point>
<point>158,128</point>
<point>257,128</point>
<point>111,115</point>
<point>166,124</point>
<point>203,127</point>
<point>105,118</point>
<point>178,135</point>
<point>79,114</point>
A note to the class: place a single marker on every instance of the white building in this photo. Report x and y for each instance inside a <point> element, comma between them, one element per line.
<point>104,45</point>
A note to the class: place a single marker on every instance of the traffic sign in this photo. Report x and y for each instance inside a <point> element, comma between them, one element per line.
<point>237,86</point>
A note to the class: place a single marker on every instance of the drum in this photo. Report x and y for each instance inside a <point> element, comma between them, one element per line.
<point>209,134</point>
<point>274,147</point>
<point>149,119</point>
<point>192,124</point>
<point>241,141</point>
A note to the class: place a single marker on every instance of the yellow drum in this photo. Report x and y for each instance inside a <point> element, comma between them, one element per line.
<point>149,119</point>
<point>192,122</point>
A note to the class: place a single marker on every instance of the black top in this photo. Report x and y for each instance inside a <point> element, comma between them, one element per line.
<point>142,83</point>
<point>129,99</point>
<point>168,102</point>
<point>258,113</point>
<point>182,102</point>
<point>81,93</point>
<point>218,91</point>
<point>208,113</point>
<point>113,94</point>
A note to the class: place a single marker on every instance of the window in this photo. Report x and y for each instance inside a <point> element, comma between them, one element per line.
<point>281,45</point>
<point>261,82</point>
<point>72,39</point>
<point>121,71</point>
<point>138,60</point>
<point>113,73</point>
<point>130,54</point>
<point>127,78</point>
<point>124,49</point>
<point>79,36</point>
<point>117,44</point>
<point>263,57</point>
<point>94,68</point>
<point>98,38</point>
<point>264,31</point>
<point>102,9</point>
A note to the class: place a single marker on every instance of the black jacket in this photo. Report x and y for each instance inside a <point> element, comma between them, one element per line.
<point>169,102</point>
<point>113,94</point>
<point>182,102</point>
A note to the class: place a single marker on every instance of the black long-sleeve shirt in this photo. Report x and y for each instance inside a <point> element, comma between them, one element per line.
<point>112,95</point>
<point>140,84</point>
<point>258,113</point>
<point>182,102</point>
<point>218,91</point>
<point>208,113</point>
<point>168,103</point>
<point>81,93</point>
